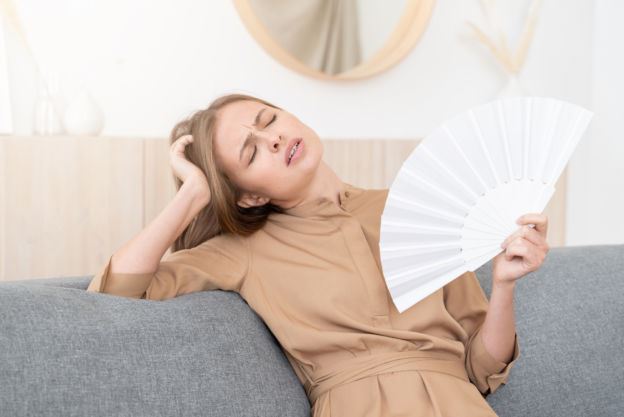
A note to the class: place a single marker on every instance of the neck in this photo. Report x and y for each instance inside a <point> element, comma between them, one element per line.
<point>324,184</point>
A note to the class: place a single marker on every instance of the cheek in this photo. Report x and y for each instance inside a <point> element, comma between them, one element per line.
<point>311,134</point>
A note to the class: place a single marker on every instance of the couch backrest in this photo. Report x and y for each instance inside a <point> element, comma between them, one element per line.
<point>570,325</point>
<point>64,351</point>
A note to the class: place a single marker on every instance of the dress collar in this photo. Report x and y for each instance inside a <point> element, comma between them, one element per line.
<point>324,207</point>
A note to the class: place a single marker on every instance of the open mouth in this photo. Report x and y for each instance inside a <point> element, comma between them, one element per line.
<point>293,151</point>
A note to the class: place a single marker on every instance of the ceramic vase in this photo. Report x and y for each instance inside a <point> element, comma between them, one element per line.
<point>514,87</point>
<point>47,118</point>
<point>83,116</point>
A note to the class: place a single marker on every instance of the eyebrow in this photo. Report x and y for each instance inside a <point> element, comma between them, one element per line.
<point>249,136</point>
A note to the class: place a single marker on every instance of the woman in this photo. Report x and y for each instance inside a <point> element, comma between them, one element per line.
<point>301,247</point>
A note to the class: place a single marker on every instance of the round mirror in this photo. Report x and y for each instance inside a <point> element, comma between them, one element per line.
<point>336,39</point>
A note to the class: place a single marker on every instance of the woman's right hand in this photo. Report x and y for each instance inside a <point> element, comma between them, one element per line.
<point>185,170</point>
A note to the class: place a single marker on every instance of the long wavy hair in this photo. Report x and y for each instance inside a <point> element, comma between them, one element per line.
<point>222,214</point>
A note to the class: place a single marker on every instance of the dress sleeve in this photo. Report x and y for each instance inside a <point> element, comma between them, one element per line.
<point>218,263</point>
<point>465,300</point>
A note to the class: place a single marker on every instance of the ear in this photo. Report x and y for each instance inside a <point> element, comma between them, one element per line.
<point>252,200</point>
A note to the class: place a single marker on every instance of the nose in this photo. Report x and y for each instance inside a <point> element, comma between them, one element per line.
<point>274,140</point>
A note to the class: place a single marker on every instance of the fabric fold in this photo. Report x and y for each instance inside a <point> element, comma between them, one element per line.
<point>120,284</point>
<point>486,372</point>
<point>377,364</point>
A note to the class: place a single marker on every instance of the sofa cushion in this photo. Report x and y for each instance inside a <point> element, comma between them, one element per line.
<point>64,352</point>
<point>570,324</point>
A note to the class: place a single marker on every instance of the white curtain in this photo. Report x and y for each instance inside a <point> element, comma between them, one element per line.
<point>6,116</point>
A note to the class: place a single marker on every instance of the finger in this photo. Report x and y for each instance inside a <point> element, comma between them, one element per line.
<point>519,232</point>
<point>182,140</point>
<point>518,247</point>
<point>185,138</point>
<point>529,234</point>
<point>180,144</point>
<point>539,220</point>
<point>510,238</point>
<point>532,254</point>
<point>533,236</point>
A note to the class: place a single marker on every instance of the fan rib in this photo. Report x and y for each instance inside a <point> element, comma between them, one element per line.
<point>527,139</point>
<point>495,211</point>
<point>505,138</point>
<point>497,219</point>
<point>399,201</point>
<point>406,300</point>
<point>489,232</point>
<point>463,155</point>
<point>549,138</point>
<point>437,189</point>
<point>448,172</point>
<point>571,143</point>
<point>442,214</point>
<point>452,204</point>
<point>389,247</point>
<point>399,277</point>
<point>420,227</point>
<point>477,129</point>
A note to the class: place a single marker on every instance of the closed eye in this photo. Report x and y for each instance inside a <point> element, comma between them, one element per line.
<point>255,147</point>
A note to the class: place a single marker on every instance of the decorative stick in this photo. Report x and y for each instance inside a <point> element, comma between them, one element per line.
<point>526,36</point>
<point>511,61</point>
<point>8,9</point>
<point>499,54</point>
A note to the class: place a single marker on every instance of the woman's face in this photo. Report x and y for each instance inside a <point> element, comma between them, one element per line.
<point>252,143</point>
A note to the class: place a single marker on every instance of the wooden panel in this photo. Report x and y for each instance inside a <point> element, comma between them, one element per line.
<point>367,163</point>
<point>3,205</point>
<point>374,163</point>
<point>159,184</point>
<point>69,203</point>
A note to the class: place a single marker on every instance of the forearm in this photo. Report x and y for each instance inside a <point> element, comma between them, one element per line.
<point>499,327</point>
<point>142,254</point>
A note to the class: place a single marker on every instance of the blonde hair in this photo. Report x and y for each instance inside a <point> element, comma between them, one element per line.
<point>222,214</point>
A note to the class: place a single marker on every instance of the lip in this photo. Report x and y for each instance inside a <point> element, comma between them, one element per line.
<point>290,146</point>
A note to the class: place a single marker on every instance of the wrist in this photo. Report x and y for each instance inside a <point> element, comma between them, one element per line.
<point>500,285</point>
<point>196,191</point>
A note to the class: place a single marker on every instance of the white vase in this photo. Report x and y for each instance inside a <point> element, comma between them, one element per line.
<point>47,120</point>
<point>83,116</point>
<point>47,117</point>
<point>513,88</point>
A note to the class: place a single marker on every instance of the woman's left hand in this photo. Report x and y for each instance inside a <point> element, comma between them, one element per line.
<point>525,250</point>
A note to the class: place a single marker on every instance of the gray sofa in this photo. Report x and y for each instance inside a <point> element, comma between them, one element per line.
<point>66,352</point>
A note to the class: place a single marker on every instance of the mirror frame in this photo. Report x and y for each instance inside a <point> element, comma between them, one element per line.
<point>406,34</point>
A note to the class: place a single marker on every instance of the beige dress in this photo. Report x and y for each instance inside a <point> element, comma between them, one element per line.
<point>313,275</point>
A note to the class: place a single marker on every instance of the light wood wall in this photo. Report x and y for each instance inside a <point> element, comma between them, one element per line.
<point>67,203</point>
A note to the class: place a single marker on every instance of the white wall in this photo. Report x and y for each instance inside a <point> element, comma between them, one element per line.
<point>149,63</point>
<point>596,191</point>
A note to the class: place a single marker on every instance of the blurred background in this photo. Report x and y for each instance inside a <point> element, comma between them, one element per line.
<point>89,91</point>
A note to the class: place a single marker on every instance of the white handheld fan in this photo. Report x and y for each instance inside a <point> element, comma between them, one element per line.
<point>457,196</point>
